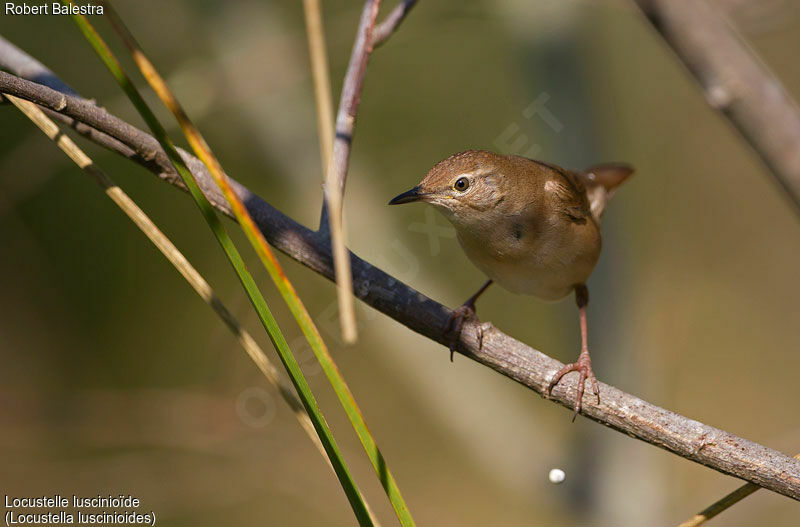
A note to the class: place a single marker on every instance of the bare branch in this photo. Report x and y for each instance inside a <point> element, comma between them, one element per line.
<point>331,221</point>
<point>623,412</point>
<point>349,100</point>
<point>336,174</point>
<point>384,30</point>
<point>735,82</point>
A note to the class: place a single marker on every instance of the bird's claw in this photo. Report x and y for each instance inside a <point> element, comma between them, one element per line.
<point>583,366</point>
<point>455,323</point>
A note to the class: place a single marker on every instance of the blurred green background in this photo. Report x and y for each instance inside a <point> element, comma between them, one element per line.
<point>115,377</point>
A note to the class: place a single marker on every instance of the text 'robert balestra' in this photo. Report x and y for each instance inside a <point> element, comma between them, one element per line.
<point>55,8</point>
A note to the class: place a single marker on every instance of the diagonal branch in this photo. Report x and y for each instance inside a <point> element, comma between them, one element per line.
<point>621,411</point>
<point>735,82</point>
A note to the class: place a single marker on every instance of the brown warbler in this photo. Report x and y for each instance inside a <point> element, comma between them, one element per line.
<point>532,227</point>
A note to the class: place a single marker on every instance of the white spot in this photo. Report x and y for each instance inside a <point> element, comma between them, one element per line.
<point>718,96</point>
<point>556,476</point>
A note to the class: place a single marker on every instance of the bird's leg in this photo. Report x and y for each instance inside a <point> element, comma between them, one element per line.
<point>584,363</point>
<point>459,315</point>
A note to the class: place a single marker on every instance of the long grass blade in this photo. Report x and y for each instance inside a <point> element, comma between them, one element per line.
<point>273,267</point>
<point>253,293</point>
<point>322,81</point>
<point>176,258</point>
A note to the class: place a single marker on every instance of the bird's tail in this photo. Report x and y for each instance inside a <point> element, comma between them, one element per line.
<point>601,183</point>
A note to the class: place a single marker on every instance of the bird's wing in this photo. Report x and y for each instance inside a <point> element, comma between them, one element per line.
<point>568,191</point>
<point>571,195</point>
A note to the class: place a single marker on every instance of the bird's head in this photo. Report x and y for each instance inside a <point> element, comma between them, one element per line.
<point>463,186</point>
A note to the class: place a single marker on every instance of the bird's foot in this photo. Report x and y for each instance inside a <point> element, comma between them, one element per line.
<point>584,366</point>
<point>455,323</point>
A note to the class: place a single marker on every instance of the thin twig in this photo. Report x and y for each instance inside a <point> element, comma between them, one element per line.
<point>621,411</point>
<point>176,258</point>
<point>735,82</point>
<point>322,81</point>
<point>332,222</point>
<point>384,30</point>
<point>336,173</point>
<point>722,504</point>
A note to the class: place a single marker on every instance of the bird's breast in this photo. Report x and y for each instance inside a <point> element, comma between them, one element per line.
<point>544,260</point>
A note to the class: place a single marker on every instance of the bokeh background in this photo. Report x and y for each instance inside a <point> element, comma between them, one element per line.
<point>115,377</point>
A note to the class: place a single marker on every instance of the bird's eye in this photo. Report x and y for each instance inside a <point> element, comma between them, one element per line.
<point>461,184</point>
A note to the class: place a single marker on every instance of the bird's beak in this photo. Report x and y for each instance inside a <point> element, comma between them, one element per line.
<point>415,194</point>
